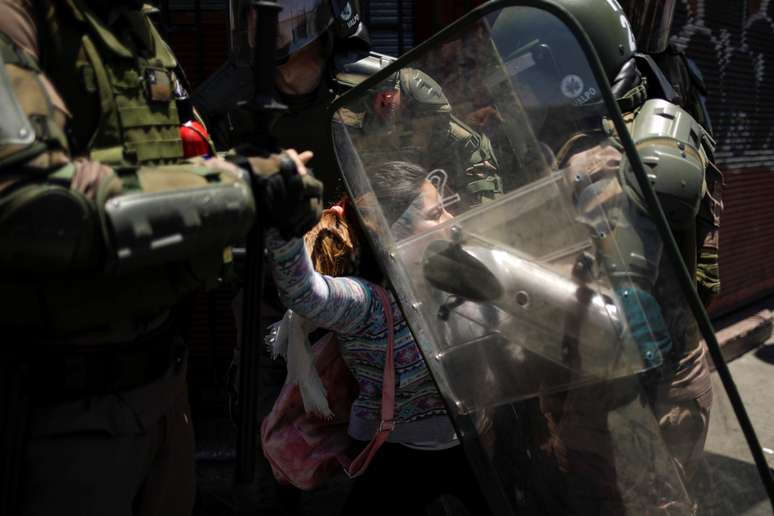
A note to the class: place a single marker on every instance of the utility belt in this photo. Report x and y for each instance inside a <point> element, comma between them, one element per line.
<point>72,372</point>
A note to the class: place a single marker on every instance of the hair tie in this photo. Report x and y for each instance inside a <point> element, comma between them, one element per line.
<point>338,210</point>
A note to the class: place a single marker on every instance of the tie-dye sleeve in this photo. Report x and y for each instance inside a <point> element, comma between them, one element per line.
<point>342,305</point>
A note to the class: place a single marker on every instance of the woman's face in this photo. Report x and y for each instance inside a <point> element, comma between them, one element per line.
<point>426,212</point>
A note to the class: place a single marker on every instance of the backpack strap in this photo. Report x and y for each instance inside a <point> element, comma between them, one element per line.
<point>387,423</point>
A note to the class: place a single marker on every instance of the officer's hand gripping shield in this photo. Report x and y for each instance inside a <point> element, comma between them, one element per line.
<point>551,317</point>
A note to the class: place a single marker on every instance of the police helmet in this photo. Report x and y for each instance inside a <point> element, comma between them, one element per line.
<point>301,22</point>
<point>547,63</point>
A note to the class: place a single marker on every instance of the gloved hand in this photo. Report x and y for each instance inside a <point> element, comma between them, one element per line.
<point>289,197</point>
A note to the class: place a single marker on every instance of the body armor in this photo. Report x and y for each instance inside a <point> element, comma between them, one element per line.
<point>75,265</point>
<point>674,148</point>
<point>688,82</point>
<point>395,114</point>
<point>119,79</point>
<point>671,76</point>
<point>651,21</point>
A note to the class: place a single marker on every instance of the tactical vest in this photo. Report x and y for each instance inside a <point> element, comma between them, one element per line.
<point>118,81</point>
<point>92,268</point>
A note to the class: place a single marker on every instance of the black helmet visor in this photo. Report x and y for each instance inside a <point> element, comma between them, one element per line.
<point>300,23</point>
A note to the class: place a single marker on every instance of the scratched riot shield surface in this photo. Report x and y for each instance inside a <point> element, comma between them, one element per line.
<point>548,313</point>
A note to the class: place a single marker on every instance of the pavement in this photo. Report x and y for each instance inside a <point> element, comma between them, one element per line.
<point>747,344</point>
<point>753,373</point>
<point>745,329</point>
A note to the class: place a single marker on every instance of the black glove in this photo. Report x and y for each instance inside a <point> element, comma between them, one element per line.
<point>287,200</point>
<point>293,202</point>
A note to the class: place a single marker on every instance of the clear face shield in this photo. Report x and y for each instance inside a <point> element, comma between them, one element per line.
<point>651,21</point>
<point>300,23</point>
<point>549,316</point>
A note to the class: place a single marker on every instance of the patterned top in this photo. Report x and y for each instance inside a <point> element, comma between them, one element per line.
<point>350,307</point>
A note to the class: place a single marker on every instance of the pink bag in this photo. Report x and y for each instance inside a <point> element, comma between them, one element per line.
<point>305,450</point>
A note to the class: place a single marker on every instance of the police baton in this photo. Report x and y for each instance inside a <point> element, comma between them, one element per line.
<point>266,109</point>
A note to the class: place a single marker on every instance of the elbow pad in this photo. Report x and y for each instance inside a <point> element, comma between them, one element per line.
<point>46,227</point>
<point>145,229</point>
<point>669,142</point>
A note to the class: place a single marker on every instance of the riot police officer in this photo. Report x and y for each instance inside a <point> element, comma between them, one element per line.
<point>323,50</point>
<point>105,227</point>
<point>680,399</point>
<point>568,292</point>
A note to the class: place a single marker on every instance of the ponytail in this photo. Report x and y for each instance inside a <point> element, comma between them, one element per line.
<point>333,243</point>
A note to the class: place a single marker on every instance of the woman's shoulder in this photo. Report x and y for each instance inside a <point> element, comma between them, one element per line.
<point>378,299</point>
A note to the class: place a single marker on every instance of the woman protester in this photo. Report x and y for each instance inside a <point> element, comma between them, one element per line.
<point>422,458</point>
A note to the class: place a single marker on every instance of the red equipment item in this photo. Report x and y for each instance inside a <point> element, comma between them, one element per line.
<point>196,140</point>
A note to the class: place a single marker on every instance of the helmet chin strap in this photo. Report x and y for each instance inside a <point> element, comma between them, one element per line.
<point>627,78</point>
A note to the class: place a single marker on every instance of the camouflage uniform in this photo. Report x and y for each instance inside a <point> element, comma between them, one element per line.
<point>96,351</point>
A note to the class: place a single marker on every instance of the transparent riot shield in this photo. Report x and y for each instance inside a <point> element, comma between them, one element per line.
<point>550,315</point>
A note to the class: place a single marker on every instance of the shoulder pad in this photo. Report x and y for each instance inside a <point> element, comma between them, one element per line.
<point>15,128</point>
<point>422,89</point>
<point>352,68</point>
<point>459,131</point>
<point>669,142</point>
<point>661,119</point>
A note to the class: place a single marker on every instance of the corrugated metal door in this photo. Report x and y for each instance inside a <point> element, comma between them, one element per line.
<point>733,44</point>
<point>390,23</point>
<point>747,268</point>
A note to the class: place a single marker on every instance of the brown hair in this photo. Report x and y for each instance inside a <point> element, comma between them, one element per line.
<point>337,245</point>
<point>333,242</point>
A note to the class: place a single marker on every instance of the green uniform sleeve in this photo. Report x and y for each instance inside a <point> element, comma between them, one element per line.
<point>32,135</point>
<point>478,160</point>
<point>43,223</point>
